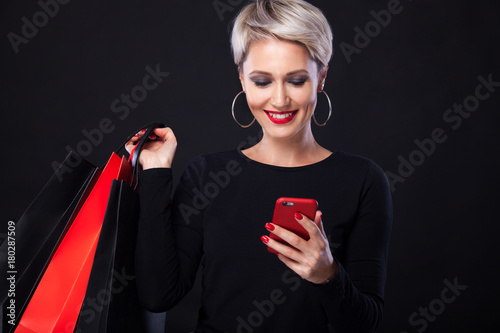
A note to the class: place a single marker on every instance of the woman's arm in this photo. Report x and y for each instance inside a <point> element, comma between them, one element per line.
<point>168,250</point>
<point>354,299</point>
<point>351,291</point>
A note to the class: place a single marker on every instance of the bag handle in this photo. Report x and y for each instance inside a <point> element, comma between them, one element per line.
<point>136,152</point>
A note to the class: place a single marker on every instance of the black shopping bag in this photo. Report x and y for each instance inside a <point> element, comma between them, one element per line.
<point>25,254</point>
<point>111,303</point>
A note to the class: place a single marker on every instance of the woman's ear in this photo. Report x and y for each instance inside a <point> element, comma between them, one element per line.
<point>322,78</point>
<point>240,71</point>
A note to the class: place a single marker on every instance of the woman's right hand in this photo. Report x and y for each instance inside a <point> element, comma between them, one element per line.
<point>158,153</point>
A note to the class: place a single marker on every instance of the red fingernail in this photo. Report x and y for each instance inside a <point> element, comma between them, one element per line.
<point>298,216</point>
<point>152,136</point>
<point>265,239</point>
<point>269,226</point>
<point>143,131</point>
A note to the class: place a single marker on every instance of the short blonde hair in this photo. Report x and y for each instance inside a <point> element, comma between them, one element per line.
<point>291,20</point>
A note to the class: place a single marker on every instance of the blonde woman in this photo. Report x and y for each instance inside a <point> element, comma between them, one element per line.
<point>221,208</point>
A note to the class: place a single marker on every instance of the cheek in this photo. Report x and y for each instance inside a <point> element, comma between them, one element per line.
<point>306,99</point>
<point>255,99</point>
<point>251,102</point>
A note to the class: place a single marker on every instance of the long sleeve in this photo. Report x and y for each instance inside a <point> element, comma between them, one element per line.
<point>354,298</point>
<point>168,252</point>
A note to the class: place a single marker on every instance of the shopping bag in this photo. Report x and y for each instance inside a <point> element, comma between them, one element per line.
<point>56,302</point>
<point>35,236</point>
<point>111,303</point>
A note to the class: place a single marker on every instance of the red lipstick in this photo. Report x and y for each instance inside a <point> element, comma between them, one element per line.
<point>281,117</point>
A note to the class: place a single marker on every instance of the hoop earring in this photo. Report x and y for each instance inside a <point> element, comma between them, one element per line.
<point>329,111</point>
<point>232,111</point>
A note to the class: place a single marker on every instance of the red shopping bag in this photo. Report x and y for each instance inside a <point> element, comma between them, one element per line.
<point>38,233</point>
<point>57,300</point>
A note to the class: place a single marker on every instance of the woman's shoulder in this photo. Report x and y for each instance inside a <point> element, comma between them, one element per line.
<point>352,160</point>
<point>214,157</point>
<point>356,164</point>
<point>215,160</point>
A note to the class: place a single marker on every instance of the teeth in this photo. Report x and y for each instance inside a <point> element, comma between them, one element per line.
<point>280,115</point>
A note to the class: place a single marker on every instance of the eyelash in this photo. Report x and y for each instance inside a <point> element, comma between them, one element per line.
<point>296,83</point>
<point>261,83</point>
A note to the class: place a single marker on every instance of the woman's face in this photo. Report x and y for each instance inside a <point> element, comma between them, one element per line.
<point>281,83</point>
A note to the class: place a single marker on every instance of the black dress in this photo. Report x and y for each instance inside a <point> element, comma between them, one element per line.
<point>216,218</point>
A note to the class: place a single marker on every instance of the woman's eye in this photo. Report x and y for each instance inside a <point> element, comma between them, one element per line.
<point>297,82</point>
<point>261,83</point>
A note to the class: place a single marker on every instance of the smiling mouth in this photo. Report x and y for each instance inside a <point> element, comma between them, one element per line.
<point>281,117</point>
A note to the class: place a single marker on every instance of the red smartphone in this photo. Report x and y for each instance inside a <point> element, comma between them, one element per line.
<point>284,216</point>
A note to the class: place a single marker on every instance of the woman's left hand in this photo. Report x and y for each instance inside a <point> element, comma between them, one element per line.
<point>311,259</point>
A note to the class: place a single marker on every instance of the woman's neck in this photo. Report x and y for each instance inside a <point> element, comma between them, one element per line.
<point>296,151</point>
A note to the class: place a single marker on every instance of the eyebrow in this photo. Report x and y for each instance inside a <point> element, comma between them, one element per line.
<point>288,74</point>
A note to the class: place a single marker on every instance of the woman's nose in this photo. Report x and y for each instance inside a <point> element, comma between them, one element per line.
<point>280,97</point>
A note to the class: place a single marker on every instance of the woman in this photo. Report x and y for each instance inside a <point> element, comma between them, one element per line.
<point>220,208</point>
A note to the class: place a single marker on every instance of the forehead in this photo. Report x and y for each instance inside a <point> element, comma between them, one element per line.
<point>277,56</point>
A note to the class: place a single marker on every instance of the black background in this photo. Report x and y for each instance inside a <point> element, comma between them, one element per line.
<point>396,90</point>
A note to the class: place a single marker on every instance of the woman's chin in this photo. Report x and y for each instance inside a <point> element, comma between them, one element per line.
<point>281,133</point>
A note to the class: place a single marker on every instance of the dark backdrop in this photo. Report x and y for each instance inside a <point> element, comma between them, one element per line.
<point>389,88</point>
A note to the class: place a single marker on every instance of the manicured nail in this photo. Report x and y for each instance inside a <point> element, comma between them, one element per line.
<point>269,226</point>
<point>298,216</point>
<point>265,239</point>
<point>152,136</point>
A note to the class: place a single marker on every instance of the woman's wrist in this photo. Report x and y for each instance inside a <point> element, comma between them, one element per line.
<point>334,272</point>
<point>153,165</point>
